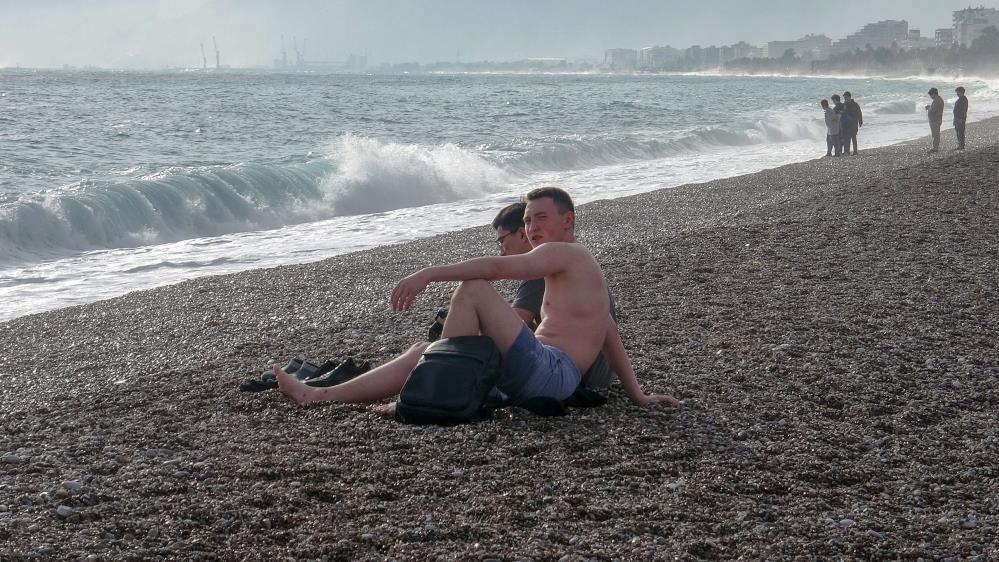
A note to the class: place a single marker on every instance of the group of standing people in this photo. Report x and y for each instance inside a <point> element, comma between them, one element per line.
<point>843,121</point>
<point>935,111</point>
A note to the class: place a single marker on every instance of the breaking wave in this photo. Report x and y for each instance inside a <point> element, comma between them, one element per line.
<point>574,153</point>
<point>360,176</point>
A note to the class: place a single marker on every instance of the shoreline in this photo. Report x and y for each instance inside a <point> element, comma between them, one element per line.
<point>830,326</point>
<point>147,284</point>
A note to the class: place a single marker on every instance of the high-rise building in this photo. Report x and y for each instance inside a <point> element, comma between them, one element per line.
<point>887,34</point>
<point>944,37</point>
<point>969,23</point>
<point>809,47</point>
<point>658,58</point>
<point>621,59</point>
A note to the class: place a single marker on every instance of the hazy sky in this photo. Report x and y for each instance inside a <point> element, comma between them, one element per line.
<point>157,33</point>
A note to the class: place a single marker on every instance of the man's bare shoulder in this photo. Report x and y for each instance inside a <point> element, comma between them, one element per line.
<point>561,248</point>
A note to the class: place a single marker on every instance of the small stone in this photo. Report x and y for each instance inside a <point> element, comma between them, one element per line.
<point>4,509</point>
<point>72,486</point>
<point>969,523</point>
<point>847,522</point>
<point>874,534</point>
<point>12,459</point>
<point>457,473</point>
<point>64,511</point>
<point>153,533</point>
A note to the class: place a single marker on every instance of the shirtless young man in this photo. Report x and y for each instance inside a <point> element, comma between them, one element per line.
<point>576,322</point>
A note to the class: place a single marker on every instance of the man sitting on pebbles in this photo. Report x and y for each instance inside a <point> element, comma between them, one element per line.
<point>575,327</point>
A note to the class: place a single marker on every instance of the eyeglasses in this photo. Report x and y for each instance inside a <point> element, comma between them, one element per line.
<point>499,241</point>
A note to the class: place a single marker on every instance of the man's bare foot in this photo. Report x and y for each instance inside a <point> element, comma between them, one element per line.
<point>296,391</point>
<point>387,410</point>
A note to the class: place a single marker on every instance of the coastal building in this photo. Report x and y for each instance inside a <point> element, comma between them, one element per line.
<point>810,47</point>
<point>658,58</point>
<point>621,59</point>
<point>915,40</point>
<point>944,37</point>
<point>740,50</point>
<point>883,34</point>
<point>712,57</point>
<point>971,22</point>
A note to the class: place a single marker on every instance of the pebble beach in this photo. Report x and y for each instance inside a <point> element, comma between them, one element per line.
<point>831,327</point>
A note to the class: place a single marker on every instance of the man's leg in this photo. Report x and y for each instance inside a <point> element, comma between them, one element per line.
<point>476,308</point>
<point>959,129</point>
<point>829,145</point>
<point>935,131</point>
<point>853,137</point>
<point>379,383</point>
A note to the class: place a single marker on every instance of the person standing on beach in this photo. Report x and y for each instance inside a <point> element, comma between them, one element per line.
<point>960,116</point>
<point>575,327</point>
<point>934,112</point>
<point>832,129</point>
<point>853,120</point>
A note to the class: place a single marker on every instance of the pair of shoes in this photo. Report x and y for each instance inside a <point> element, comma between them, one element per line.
<point>343,372</point>
<point>958,148</point>
<point>933,150</point>
<point>303,371</point>
<point>828,154</point>
<point>267,380</point>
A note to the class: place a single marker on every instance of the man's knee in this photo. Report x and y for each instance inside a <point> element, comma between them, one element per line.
<point>472,290</point>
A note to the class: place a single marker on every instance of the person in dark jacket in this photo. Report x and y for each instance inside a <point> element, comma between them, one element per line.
<point>934,113</point>
<point>853,120</point>
<point>960,116</point>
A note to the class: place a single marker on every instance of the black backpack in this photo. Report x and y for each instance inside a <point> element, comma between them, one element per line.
<point>451,383</point>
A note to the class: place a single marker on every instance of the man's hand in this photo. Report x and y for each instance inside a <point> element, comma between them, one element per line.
<point>405,291</point>
<point>657,400</point>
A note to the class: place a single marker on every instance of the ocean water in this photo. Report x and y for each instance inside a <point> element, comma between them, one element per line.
<point>117,181</point>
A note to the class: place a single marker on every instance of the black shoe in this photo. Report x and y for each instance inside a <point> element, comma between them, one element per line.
<point>341,374</point>
<point>267,380</point>
<point>292,366</point>
<point>311,371</point>
<point>434,333</point>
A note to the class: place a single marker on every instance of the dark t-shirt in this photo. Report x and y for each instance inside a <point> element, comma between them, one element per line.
<point>961,109</point>
<point>530,296</point>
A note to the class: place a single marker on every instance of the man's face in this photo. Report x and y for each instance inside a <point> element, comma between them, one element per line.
<point>544,223</point>
<point>512,243</point>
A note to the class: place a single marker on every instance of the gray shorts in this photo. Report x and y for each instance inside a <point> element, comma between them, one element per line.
<point>532,369</point>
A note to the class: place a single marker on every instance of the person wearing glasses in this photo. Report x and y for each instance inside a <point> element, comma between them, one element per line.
<point>512,241</point>
<point>575,328</point>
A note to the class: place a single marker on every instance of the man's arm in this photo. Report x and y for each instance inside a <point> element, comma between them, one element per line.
<point>545,260</point>
<point>619,362</point>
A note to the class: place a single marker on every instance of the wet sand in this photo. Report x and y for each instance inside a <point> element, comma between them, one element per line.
<point>831,327</point>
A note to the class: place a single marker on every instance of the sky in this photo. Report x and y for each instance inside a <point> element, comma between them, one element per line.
<point>162,33</point>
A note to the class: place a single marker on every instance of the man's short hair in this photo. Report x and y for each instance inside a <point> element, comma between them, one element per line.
<point>959,89</point>
<point>933,92</point>
<point>824,103</point>
<point>510,218</point>
<point>561,198</point>
<point>835,97</point>
<point>847,95</point>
